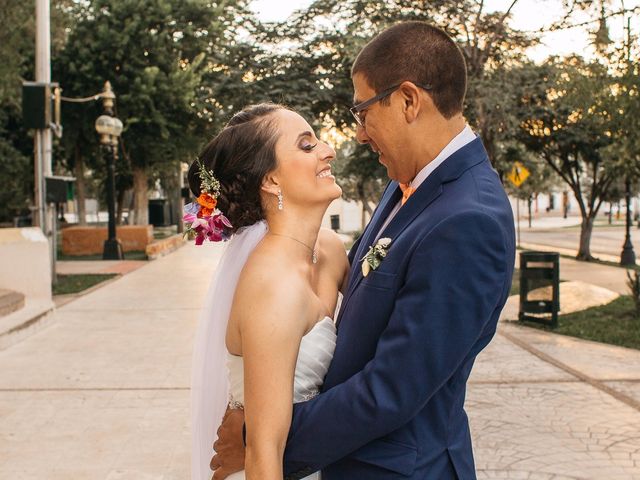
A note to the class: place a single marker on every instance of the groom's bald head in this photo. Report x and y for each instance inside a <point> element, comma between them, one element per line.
<point>419,53</point>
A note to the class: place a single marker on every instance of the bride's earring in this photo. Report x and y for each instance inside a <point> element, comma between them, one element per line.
<point>280,206</point>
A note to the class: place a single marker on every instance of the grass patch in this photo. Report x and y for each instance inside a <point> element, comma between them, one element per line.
<point>615,324</point>
<point>611,264</point>
<point>595,260</point>
<point>515,283</point>
<point>68,284</point>
<point>135,255</point>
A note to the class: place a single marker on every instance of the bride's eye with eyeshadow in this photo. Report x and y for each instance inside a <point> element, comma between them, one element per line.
<point>307,146</point>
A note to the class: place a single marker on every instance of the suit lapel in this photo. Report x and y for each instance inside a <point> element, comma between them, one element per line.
<point>389,200</point>
<point>460,161</point>
<point>421,198</point>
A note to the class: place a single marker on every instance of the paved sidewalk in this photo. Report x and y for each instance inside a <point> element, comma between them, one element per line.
<point>543,220</point>
<point>545,406</point>
<point>606,276</point>
<point>103,393</point>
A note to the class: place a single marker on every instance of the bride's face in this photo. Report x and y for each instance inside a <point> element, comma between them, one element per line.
<point>304,162</point>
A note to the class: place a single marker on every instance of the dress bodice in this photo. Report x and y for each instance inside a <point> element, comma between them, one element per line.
<point>314,357</point>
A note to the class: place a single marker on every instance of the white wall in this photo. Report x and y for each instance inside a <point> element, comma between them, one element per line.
<point>350,215</point>
<point>25,265</point>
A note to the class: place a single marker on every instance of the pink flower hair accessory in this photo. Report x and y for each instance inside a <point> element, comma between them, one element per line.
<point>205,221</point>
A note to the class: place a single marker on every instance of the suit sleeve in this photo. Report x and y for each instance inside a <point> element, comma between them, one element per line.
<point>454,283</point>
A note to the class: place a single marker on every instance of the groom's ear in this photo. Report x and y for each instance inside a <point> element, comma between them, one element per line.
<point>411,101</point>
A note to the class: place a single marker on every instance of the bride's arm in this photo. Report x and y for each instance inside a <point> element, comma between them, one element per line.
<point>271,317</point>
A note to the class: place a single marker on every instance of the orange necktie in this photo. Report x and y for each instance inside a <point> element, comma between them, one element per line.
<point>407,191</point>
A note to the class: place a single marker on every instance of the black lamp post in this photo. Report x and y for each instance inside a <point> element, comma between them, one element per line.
<point>109,127</point>
<point>628,256</point>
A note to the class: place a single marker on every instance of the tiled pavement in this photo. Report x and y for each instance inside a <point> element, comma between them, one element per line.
<point>542,408</point>
<point>102,393</point>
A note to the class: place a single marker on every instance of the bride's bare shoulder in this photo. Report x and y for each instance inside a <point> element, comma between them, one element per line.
<point>333,254</point>
<point>331,243</point>
<point>269,284</point>
<point>266,264</point>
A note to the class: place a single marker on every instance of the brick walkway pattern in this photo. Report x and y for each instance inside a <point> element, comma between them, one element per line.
<point>103,392</point>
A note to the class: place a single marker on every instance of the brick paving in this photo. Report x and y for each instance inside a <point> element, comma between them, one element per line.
<point>103,392</point>
<point>532,419</point>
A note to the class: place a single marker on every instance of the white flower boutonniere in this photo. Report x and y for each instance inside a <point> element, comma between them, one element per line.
<point>375,255</point>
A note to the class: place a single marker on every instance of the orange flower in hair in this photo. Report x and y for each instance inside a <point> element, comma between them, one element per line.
<point>207,201</point>
<point>204,212</point>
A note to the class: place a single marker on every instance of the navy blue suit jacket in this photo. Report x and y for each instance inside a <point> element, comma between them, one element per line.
<point>409,332</point>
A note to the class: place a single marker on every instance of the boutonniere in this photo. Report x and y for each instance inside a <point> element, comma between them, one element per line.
<point>375,255</point>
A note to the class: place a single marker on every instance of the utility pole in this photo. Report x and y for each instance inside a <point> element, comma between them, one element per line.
<point>42,142</point>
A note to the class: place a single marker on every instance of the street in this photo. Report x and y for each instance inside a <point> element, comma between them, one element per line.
<point>564,235</point>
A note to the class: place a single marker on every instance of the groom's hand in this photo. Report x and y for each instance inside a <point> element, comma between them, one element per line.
<point>229,448</point>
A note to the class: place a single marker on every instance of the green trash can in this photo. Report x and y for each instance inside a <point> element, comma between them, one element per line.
<point>540,287</point>
<point>159,212</point>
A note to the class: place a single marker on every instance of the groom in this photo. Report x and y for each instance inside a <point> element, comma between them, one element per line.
<point>410,329</point>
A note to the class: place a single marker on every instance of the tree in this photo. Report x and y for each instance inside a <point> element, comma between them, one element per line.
<point>153,52</point>
<point>17,58</point>
<point>625,65</point>
<point>541,177</point>
<point>567,118</point>
<point>361,176</point>
<point>313,74</point>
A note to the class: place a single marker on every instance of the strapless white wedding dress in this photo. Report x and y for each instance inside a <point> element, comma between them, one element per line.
<point>314,357</point>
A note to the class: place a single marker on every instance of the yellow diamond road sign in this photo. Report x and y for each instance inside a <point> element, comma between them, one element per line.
<point>518,174</point>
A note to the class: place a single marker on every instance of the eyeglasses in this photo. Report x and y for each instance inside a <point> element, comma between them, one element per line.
<point>356,110</point>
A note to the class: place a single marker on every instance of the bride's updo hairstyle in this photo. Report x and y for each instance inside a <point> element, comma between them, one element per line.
<point>240,156</point>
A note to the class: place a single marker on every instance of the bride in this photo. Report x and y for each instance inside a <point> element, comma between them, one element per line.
<point>266,335</point>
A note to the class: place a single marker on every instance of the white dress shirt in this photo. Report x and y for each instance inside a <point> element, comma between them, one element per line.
<point>464,137</point>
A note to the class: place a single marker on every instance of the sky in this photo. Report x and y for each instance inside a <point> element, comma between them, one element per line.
<point>526,15</point>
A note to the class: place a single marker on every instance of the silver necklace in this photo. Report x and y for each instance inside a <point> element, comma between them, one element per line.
<point>314,254</point>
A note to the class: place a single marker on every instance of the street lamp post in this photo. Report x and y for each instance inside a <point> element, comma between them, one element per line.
<point>628,256</point>
<point>109,128</point>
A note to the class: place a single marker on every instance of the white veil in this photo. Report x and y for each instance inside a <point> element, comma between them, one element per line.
<point>209,382</point>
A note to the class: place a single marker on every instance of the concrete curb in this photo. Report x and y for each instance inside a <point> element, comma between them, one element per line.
<point>31,318</point>
<point>162,247</point>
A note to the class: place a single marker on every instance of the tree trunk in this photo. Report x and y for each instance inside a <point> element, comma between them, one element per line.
<point>132,200</point>
<point>584,253</point>
<point>529,202</point>
<point>140,194</point>
<point>368,208</point>
<point>80,187</point>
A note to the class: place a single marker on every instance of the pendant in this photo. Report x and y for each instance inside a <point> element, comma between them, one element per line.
<point>314,257</point>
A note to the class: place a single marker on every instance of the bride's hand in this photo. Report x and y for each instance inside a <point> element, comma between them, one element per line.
<point>229,448</point>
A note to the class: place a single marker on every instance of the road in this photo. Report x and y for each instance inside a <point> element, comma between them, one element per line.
<point>606,239</point>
